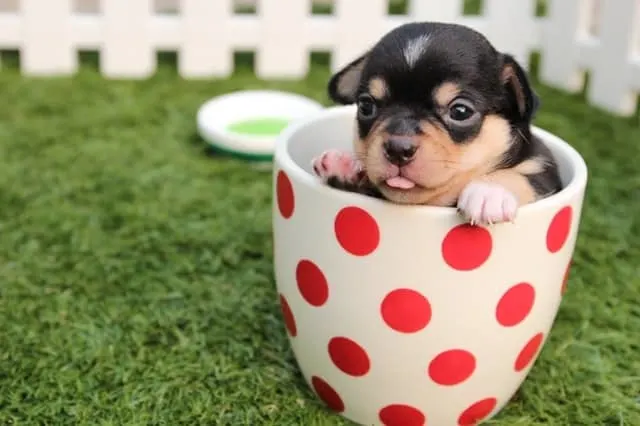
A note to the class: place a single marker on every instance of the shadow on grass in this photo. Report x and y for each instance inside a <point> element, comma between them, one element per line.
<point>196,142</point>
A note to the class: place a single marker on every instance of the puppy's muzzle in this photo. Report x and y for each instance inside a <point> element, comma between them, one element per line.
<point>400,150</point>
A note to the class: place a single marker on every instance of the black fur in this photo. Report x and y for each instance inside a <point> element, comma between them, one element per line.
<point>492,81</point>
<point>361,186</point>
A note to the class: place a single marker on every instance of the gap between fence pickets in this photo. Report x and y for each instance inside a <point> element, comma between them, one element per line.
<point>127,35</point>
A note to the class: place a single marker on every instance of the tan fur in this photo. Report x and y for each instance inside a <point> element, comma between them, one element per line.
<point>378,88</point>
<point>441,168</point>
<point>360,145</point>
<point>532,166</point>
<point>360,149</point>
<point>515,182</point>
<point>445,93</point>
<point>493,140</point>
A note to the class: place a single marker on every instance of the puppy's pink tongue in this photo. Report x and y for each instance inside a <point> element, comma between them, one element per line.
<point>400,183</point>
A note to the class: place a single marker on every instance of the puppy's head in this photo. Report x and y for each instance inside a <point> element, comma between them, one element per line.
<point>437,106</point>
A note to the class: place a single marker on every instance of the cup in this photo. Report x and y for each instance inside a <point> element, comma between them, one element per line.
<point>405,315</point>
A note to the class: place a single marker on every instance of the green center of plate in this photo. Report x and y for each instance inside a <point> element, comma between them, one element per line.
<point>266,126</point>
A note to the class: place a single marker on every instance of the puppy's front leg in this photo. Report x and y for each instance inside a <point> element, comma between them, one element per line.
<point>495,197</point>
<point>342,170</point>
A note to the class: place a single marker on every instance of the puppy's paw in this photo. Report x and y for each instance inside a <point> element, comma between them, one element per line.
<point>338,165</point>
<point>485,203</point>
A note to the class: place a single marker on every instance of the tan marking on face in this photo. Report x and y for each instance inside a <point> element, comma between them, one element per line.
<point>378,88</point>
<point>362,147</point>
<point>445,93</point>
<point>491,143</point>
<point>359,148</point>
<point>441,168</point>
<point>532,166</point>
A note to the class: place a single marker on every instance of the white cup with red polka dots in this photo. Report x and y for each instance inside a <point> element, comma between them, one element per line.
<point>403,315</point>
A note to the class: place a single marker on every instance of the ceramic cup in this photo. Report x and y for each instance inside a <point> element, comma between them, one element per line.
<point>404,315</point>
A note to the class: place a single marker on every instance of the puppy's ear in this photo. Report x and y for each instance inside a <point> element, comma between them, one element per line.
<point>522,99</point>
<point>343,85</point>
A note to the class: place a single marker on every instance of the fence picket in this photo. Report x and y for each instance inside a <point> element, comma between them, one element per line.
<point>205,33</point>
<point>126,50</point>
<point>562,32</point>
<point>612,72</point>
<point>357,28</point>
<point>205,50</point>
<point>570,49</point>
<point>502,17</point>
<point>436,10</point>
<point>46,46</point>
<point>283,49</point>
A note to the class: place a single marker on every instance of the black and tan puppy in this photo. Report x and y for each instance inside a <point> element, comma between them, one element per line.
<point>443,119</point>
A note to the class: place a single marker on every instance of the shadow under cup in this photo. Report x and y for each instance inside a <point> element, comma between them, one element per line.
<point>404,315</point>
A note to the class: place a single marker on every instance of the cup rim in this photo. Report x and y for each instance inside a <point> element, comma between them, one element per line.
<point>284,161</point>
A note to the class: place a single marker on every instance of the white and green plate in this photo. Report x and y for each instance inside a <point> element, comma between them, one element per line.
<point>246,123</point>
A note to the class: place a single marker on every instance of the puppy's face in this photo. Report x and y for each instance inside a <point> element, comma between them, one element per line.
<point>437,106</point>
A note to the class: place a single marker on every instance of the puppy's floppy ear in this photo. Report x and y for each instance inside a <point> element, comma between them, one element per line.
<point>522,99</point>
<point>343,85</point>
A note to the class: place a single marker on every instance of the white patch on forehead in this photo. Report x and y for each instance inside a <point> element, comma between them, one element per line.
<point>415,49</point>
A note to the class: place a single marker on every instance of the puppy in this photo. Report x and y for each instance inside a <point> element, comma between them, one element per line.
<point>443,119</point>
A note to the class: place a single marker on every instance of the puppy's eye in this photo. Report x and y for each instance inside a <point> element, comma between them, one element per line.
<point>367,108</point>
<point>461,110</point>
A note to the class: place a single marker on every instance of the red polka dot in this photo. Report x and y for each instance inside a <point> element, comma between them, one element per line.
<point>466,247</point>
<point>477,412</point>
<point>452,367</point>
<point>528,353</point>
<point>312,283</point>
<point>327,394</point>
<point>559,228</point>
<point>406,311</point>
<point>287,314</point>
<point>565,279</point>
<point>401,415</point>
<point>515,304</point>
<point>349,356</point>
<point>357,231</point>
<point>284,195</point>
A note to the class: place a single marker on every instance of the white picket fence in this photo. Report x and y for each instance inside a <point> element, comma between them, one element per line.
<point>576,36</point>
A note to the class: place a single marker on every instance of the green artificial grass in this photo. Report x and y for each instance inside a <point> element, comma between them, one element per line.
<point>136,277</point>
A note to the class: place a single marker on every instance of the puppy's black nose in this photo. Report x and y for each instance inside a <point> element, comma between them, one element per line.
<point>400,150</point>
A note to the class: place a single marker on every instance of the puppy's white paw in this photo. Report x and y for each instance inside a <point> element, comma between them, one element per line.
<point>487,203</point>
<point>336,164</point>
